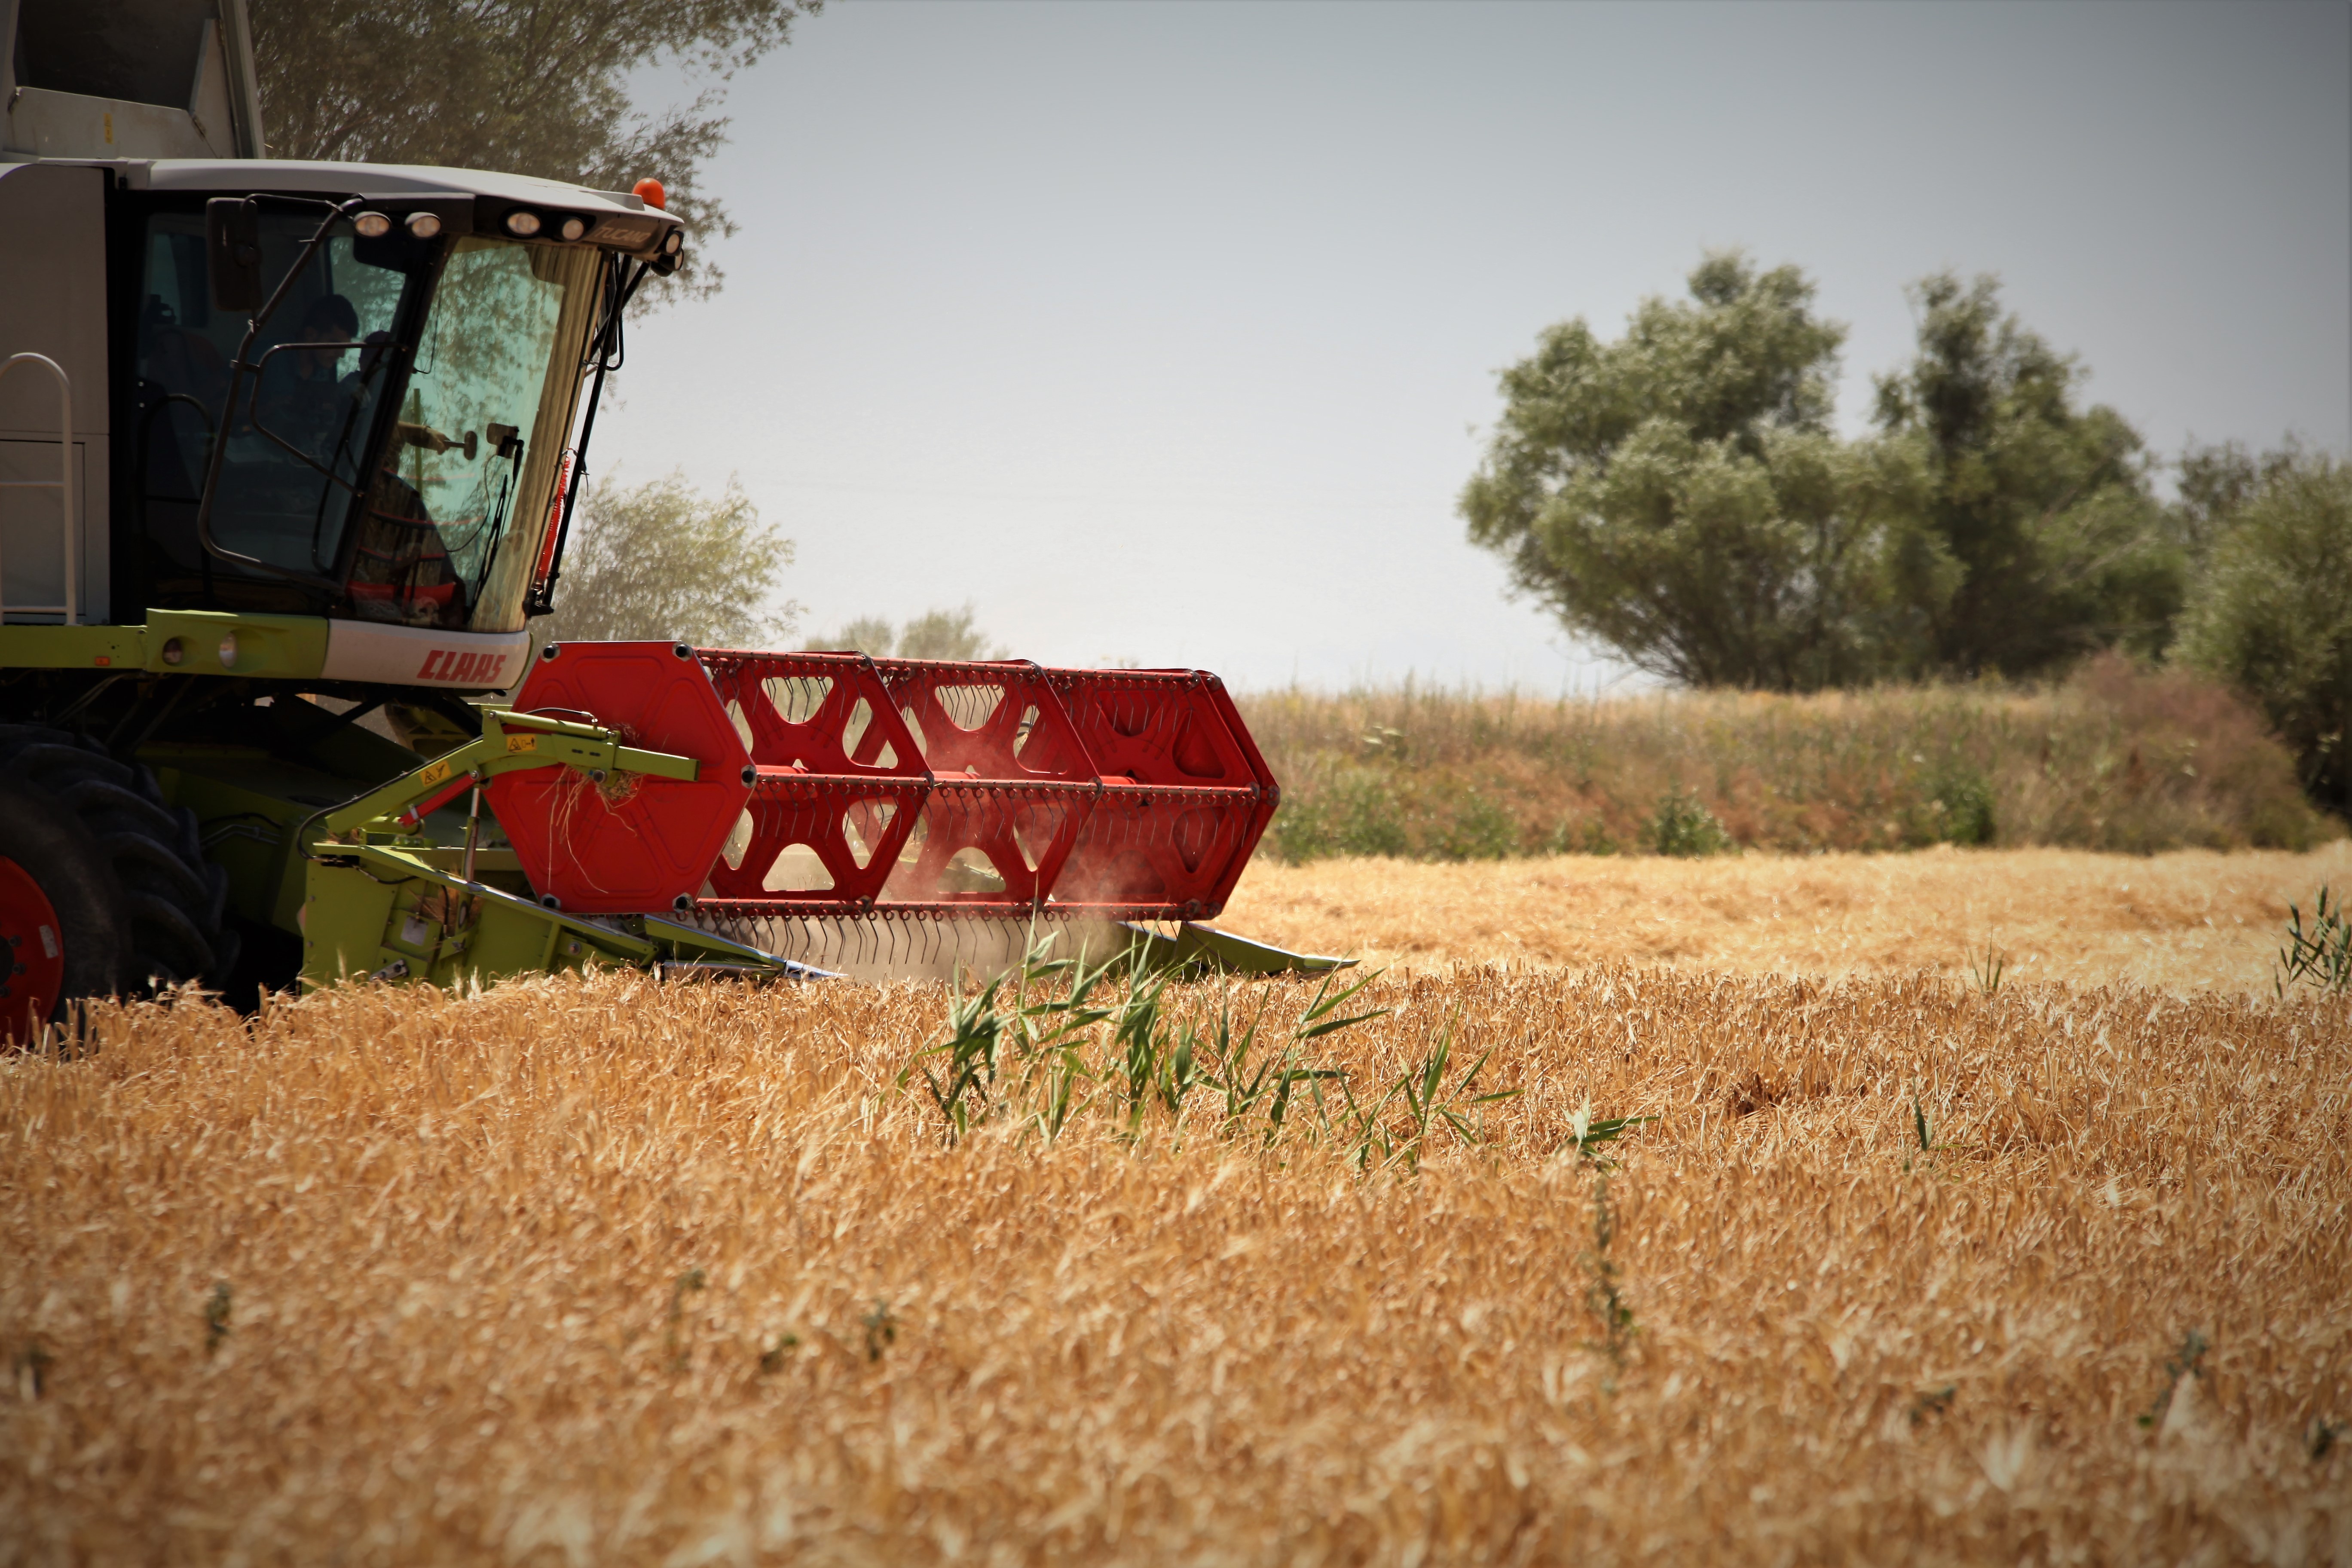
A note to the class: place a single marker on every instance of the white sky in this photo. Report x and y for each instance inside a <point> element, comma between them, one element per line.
<point>1165,332</point>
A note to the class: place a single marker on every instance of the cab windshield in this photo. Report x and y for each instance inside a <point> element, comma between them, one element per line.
<point>450,529</point>
<point>400,441</point>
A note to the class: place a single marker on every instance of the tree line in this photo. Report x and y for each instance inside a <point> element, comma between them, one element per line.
<point>1679,496</point>
<point>662,558</point>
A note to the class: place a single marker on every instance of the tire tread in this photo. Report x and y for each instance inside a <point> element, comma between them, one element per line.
<point>177,900</point>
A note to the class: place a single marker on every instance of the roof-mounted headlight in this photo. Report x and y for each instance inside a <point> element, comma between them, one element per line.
<point>673,243</point>
<point>424,225</point>
<point>372,226</point>
<point>522,223</point>
<point>573,228</point>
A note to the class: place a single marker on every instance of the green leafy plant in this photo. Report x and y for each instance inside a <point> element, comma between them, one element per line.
<point>1273,1084</point>
<point>1986,969</point>
<point>1967,797</point>
<point>666,559</point>
<point>216,1312</point>
<point>1591,838</point>
<point>1605,1294</point>
<point>936,634</point>
<point>1480,829</point>
<point>1042,1044</point>
<point>1933,1402</point>
<point>1153,1070</point>
<point>2320,954</point>
<point>2271,615</point>
<point>881,1326</point>
<point>1587,1135</point>
<point>1027,1055</point>
<point>1923,1131</point>
<point>1350,810</point>
<point>1682,826</point>
<point>1958,808</point>
<point>1424,1099</point>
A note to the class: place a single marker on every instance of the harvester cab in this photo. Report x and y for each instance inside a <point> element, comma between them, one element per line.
<point>289,456</point>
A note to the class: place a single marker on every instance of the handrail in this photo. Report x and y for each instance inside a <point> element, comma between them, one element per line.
<point>62,484</point>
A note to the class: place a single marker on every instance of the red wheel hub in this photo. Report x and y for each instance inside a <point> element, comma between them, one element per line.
<point>32,953</point>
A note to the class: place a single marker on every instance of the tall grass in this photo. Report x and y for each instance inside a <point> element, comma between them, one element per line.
<point>2116,758</point>
<point>608,1272</point>
<point>2318,954</point>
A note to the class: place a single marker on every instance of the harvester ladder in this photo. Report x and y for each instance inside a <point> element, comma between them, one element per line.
<point>62,484</point>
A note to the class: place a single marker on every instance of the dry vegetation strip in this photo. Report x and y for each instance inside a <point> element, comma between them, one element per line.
<point>2114,758</point>
<point>2193,920</point>
<point>613,1273</point>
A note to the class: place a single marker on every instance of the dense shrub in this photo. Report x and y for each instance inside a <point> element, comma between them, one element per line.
<point>2272,615</point>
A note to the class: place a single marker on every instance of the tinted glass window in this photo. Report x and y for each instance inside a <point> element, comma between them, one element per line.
<point>454,520</point>
<point>296,445</point>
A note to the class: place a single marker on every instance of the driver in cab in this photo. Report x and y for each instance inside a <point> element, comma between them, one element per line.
<point>305,399</point>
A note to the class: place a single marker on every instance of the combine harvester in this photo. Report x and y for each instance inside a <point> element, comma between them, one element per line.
<point>285,446</point>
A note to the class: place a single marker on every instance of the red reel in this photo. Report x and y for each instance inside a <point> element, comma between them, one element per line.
<point>630,844</point>
<point>905,786</point>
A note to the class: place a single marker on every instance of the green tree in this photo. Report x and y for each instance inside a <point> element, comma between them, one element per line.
<point>663,559</point>
<point>1678,494</point>
<point>935,634</point>
<point>527,86</point>
<point>2043,506</point>
<point>2216,483</point>
<point>2273,612</point>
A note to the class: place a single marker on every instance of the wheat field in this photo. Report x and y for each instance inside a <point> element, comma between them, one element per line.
<point>613,1272</point>
<point>2189,920</point>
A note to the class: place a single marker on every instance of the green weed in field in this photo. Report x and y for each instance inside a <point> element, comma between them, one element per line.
<point>2320,954</point>
<point>1054,1040</point>
<point>1480,829</point>
<point>1682,826</point>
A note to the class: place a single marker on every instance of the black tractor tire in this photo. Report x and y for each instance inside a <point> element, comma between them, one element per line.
<point>138,905</point>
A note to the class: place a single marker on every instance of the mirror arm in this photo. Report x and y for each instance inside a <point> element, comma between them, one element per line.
<point>608,350</point>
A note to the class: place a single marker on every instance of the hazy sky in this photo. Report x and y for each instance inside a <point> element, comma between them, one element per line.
<point>1168,331</point>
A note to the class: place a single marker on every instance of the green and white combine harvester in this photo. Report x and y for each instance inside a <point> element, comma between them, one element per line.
<point>288,454</point>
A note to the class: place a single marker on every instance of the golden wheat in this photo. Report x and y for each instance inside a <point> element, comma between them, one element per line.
<point>605,1271</point>
<point>2191,919</point>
